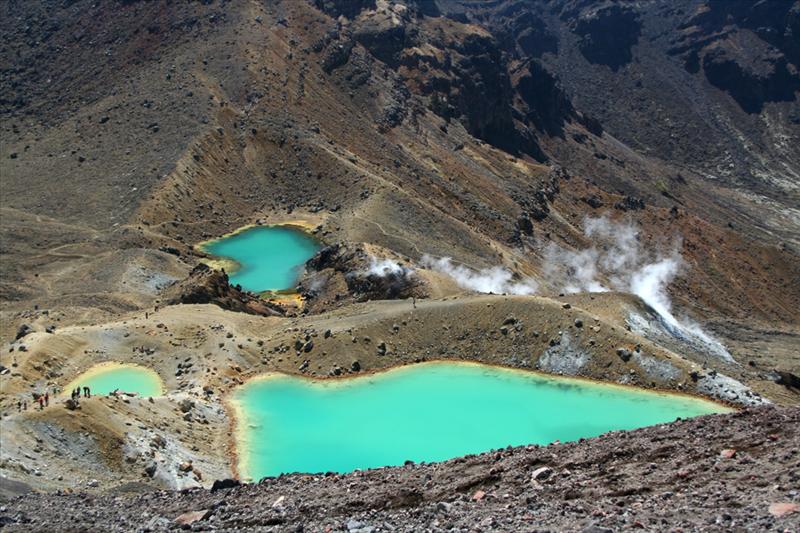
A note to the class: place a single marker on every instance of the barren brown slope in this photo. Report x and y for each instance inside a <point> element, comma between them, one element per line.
<point>251,119</point>
<point>713,473</point>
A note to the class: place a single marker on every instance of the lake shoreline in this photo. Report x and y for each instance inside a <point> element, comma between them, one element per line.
<point>241,443</point>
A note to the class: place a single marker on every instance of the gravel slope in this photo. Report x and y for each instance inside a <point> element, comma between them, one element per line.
<point>671,477</point>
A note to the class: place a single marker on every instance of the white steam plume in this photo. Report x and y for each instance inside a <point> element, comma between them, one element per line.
<point>497,280</point>
<point>385,267</point>
<point>618,258</point>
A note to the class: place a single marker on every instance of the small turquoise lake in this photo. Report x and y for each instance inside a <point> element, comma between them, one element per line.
<point>269,258</point>
<point>108,377</point>
<point>429,412</point>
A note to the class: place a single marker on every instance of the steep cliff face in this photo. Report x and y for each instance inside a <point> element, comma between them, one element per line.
<point>464,71</point>
<point>607,31</point>
<point>747,49</point>
<point>709,88</point>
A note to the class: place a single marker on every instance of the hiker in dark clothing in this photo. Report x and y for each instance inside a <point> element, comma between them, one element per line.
<point>41,403</point>
<point>19,405</point>
<point>87,393</point>
<point>47,398</point>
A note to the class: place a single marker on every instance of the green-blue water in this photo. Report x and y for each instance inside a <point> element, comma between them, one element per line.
<point>269,257</point>
<point>429,412</point>
<point>107,378</point>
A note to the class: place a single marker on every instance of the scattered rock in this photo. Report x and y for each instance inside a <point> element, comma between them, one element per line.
<point>186,405</point>
<point>541,473</point>
<point>630,203</point>
<point>727,453</point>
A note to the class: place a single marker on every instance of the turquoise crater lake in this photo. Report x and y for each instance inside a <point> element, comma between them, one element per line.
<point>429,412</point>
<point>105,378</point>
<point>268,258</point>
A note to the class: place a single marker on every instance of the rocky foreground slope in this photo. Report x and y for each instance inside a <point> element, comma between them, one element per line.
<point>732,472</point>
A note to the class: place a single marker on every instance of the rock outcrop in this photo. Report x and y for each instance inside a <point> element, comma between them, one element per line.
<point>343,273</point>
<point>205,285</point>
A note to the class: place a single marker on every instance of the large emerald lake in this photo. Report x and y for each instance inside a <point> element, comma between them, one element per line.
<point>268,257</point>
<point>429,412</point>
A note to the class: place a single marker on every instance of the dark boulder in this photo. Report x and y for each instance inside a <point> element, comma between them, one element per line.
<point>787,379</point>
<point>220,484</point>
<point>22,331</point>
<point>629,203</point>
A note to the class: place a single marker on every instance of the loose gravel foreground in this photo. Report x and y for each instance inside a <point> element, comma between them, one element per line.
<point>738,471</point>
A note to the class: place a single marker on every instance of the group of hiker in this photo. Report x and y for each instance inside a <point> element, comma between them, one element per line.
<point>43,400</point>
<point>76,394</point>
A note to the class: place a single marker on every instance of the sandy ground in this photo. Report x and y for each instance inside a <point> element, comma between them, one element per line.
<point>202,352</point>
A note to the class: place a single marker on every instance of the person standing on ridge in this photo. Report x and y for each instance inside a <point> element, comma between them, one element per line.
<point>47,398</point>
